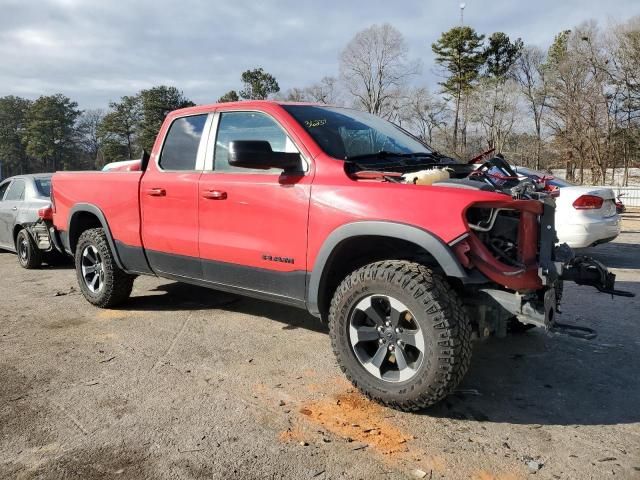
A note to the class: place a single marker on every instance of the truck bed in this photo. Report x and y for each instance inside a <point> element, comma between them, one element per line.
<point>115,193</point>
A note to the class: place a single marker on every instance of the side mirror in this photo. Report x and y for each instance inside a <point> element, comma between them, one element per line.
<point>258,154</point>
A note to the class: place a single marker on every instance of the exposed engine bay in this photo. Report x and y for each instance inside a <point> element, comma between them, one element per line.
<point>514,244</point>
<point>494,175</point>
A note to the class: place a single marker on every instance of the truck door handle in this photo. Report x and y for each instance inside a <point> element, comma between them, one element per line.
<point>14,208</point>
<point>157,192</point>
<point>214,194</point>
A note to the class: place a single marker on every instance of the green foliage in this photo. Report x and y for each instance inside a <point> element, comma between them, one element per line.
<point>500,55</point>
<point>50,130</point>
<point>155,104</point>
<point>132,124</point>
<point>558,49</point>
<point>230,96</point>
<point>13,155</point>
<point>258,85</point>
<point>459,51</point>
<point>118,129</point>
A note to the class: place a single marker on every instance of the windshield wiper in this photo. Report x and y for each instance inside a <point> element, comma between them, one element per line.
<point>386,154</point>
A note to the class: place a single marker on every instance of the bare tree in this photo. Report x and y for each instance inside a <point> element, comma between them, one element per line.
<point>582,100</point>
<point>89,132</point>
<point>294,94</point>
<point>497,117</point>
<point>425,113</point>
<point>568,81</point>
<point>375,66</point>
<point>530,73</point>
<point>325,91</point>
<point>626,73</point>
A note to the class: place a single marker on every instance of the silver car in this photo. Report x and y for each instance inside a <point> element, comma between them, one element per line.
<point>25,213</point>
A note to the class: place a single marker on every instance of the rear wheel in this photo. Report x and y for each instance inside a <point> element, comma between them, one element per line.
<point>29,255</point>
<point>101,281</point>
<point>400,334</point>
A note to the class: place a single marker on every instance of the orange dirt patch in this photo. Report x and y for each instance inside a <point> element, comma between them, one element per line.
<point>351,415</point>
<point>292,434</point>
<point>343,411</point>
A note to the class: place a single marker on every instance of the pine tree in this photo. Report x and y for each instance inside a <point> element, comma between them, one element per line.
<point>50,131</point>
<point>459,51</point>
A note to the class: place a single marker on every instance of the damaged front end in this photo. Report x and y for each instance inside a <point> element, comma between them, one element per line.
<point>513,244</point>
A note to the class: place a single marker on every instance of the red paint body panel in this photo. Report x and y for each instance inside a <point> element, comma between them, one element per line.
<point>239,218</point>
<point>337,200</point>
<point>116,193</point>
<point>170,220</point>
<point>260,216</point>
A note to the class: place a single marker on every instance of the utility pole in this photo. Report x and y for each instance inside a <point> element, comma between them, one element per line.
<point>462,5</point>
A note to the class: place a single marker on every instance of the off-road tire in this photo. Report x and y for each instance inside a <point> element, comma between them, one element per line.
<point>441,317</point>
<point>117,283</point>
<point>32,257</point>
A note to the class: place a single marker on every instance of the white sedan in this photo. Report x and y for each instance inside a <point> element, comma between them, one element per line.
<point>585,216</point>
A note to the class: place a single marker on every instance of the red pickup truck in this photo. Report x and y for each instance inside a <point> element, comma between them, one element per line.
<point>324,208</point>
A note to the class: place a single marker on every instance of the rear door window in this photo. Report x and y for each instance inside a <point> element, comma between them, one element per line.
<point>180,149</point>
<point>16,191</point>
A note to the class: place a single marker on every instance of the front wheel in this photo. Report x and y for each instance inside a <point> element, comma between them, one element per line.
<point>400,334</point>
<point>100,279</point>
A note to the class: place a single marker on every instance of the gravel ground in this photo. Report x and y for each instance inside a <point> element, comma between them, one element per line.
<point>191,383</point>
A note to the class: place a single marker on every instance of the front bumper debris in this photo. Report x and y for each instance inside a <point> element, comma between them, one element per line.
<point>588,271</point>
<point>537,309</point>
<point>558,263</point>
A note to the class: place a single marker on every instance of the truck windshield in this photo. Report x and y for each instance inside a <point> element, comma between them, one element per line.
<point>350,134</point>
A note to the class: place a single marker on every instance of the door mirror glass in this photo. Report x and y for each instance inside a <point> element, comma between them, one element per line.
<point>257,154</point>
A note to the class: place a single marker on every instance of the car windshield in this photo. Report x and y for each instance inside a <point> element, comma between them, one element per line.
<point>44,186</point>
<point>556,182</point>
<point>348,134</point>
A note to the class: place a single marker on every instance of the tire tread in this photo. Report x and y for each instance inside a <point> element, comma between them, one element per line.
<point>444,308</point>
<point>118,284</point>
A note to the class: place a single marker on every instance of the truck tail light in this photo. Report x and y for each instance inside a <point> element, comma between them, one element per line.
<point>46,213</point>
<point>588,202</point>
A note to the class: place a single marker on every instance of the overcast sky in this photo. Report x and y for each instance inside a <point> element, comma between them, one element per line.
<point>96,51</point>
